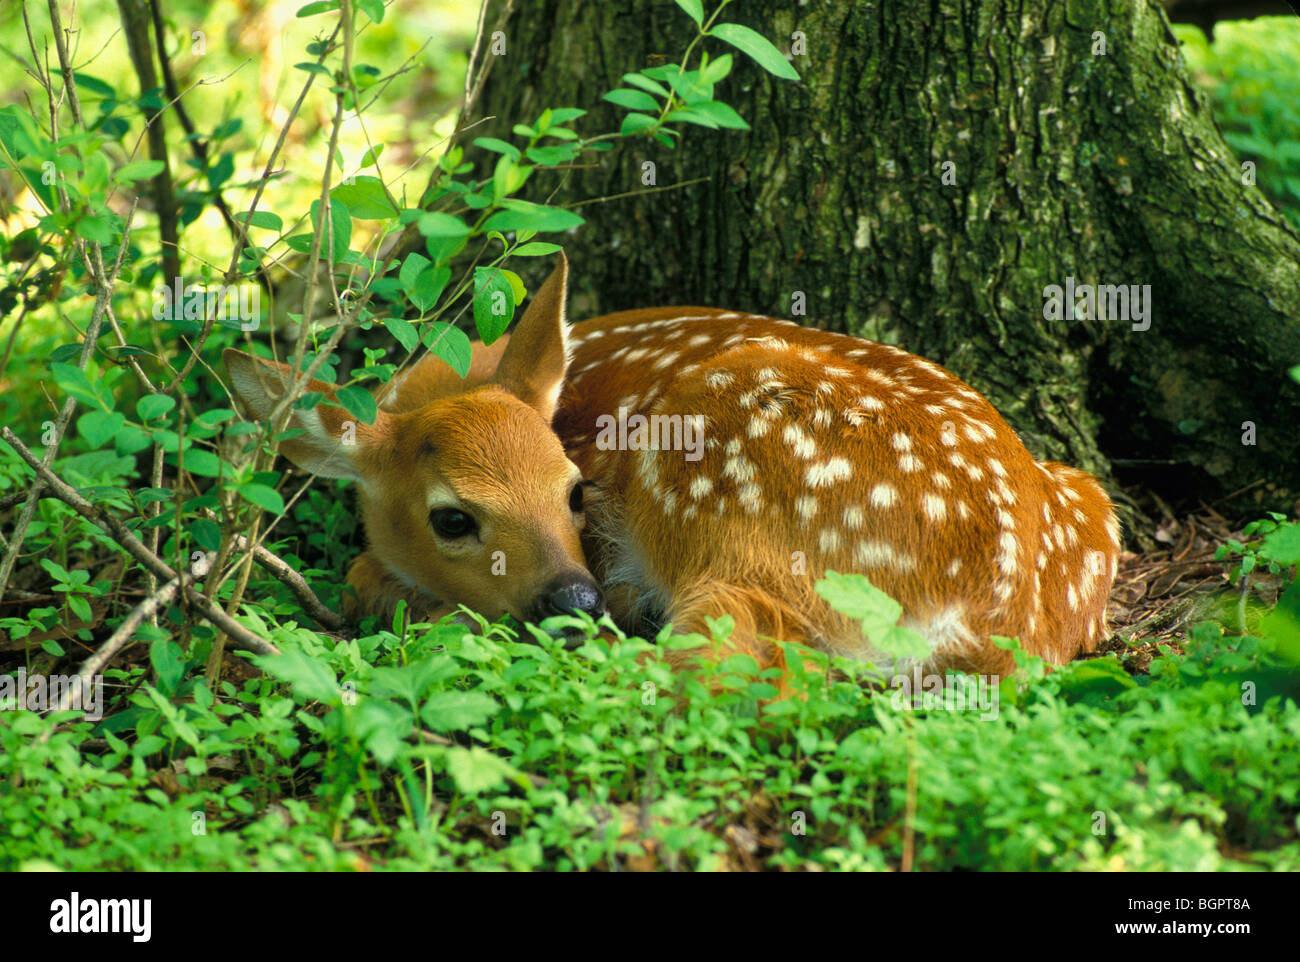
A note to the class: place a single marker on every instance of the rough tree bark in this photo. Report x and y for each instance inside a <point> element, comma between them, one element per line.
<point>1076,147</point>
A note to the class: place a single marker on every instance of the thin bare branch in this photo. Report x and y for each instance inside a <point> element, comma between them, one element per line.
<point>122,535</point>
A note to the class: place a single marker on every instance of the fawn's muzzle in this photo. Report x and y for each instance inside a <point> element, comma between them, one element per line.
<point>568,595</point>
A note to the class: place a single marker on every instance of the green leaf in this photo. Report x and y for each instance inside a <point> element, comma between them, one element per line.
<point>497,146</point>
<point>694,9</point>
<point>494,303</point>
<point>1096,675</point>
<point>73,380</point>
<point>437,224</point>
<point>321,6</point>
<point>93,84</point>
<point>404,331</point>
<point>721,114</point>
<point>757,47</point>
<point>501,179</point>
<point>521,215</point>
<point>98,228</point>
<point>374,9</point>
<point>340,220</point>
<point>451,344</point>
<point>562,115</point>
<point>422,282</point>
<point>212,417</point>
<point>691,116</point>
<point>536,249</point>
<point>1283,545</point>
<point>260,218</point>
<point>264,496</point>
<point>365,199</point>
<point>311,679</point>
<point>80,607</point>
<point>411,267</point>
<point>168,663</point>
<point>138,170</point>
<point>450,711</point>
<point>299,242</point>
<point>201,462</point>
<point>716,70</point>
<point>131,440</point>
<point>56,570</point>
<point>98,427</point>
<point>553,156</point>
<point>206,533</point>
<point>154,406</point>
<point>856,597</point>
<point>516,284</point>
<point>631,99</point>
<point>310,67</point>
<point>634,123</point>
<point>689,86</point>
<point>646,84</point>
<point>477,770</point>
<point>359,402</point>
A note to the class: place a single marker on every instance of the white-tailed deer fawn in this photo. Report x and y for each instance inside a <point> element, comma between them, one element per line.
<point>734,459</point>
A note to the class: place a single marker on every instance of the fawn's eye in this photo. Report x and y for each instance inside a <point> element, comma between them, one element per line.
<point>451,524</point>
<point>577,504</point>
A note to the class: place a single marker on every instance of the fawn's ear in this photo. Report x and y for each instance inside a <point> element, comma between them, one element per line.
<point>331,437</point>
<point>533,364</point>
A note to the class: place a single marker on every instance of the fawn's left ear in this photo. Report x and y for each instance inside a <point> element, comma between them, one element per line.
<point>331,438</point>
<point>533,364</point>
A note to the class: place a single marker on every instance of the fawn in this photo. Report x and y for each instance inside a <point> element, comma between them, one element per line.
<point>700,463</point>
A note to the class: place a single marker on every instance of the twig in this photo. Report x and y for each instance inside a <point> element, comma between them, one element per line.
<point>278,567</point>
<point>136,548</point>
<point>637,193</point>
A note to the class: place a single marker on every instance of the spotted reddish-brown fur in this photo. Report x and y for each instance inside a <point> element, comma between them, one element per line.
<point>825,451</point>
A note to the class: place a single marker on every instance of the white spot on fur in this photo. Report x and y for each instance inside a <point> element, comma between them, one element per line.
<point>803,445</point>
<point>718,379</point>
<point>827,473</point>
<point>883,496</point>
<point>751,496</point>
<point>853,518</point>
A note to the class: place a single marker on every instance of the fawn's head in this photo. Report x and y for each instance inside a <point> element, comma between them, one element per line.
<point>470,497</point>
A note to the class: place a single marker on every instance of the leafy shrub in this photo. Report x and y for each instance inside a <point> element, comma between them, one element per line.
<point>1257,105</point>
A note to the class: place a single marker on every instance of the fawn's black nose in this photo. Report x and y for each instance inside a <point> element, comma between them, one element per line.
<point>568,595</point>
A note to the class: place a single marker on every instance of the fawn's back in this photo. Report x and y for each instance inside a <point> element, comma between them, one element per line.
<point>800,451</point>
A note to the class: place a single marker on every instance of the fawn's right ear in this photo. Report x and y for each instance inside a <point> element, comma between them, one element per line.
<point>533,364</point>
<point>331,436</point>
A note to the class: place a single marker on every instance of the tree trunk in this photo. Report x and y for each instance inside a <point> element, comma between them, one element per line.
<point>936,170</point>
